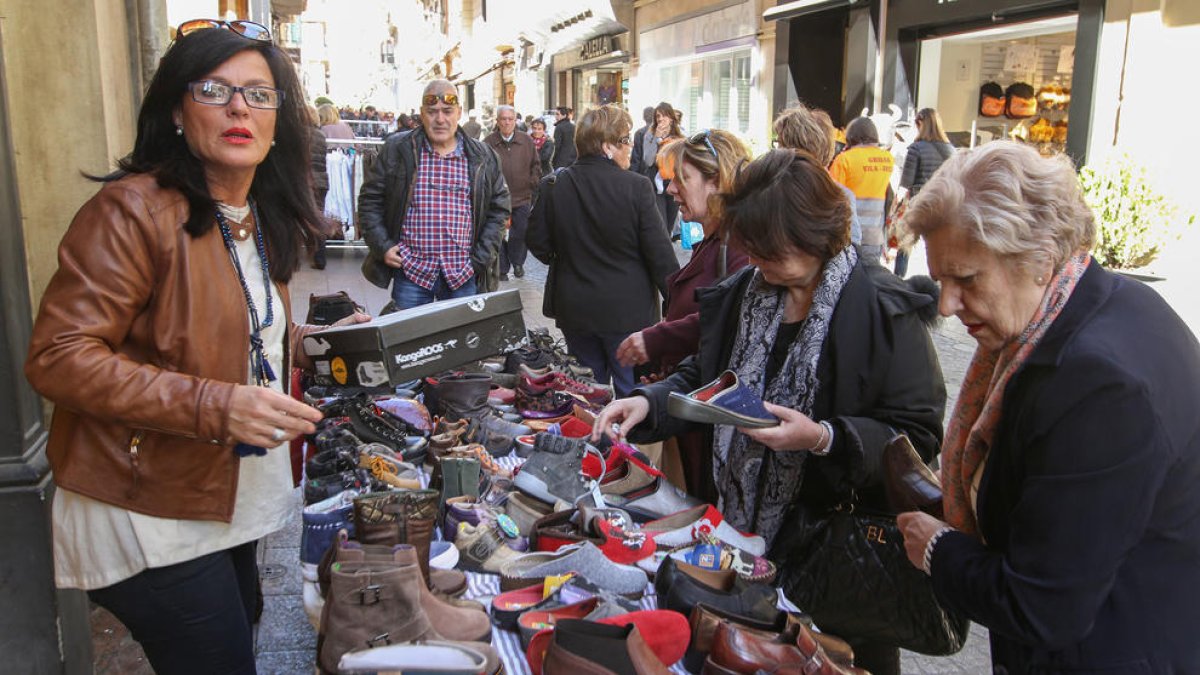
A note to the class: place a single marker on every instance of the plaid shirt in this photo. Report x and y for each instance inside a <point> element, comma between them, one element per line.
<point>437,228</point>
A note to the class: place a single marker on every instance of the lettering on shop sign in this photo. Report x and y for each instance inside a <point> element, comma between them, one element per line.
<point>597,46</point>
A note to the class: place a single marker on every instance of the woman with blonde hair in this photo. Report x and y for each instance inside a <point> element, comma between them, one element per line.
<point>706,166</point>
<point>1069,470</point>
<point>332,125</point>
<point>811,130</point>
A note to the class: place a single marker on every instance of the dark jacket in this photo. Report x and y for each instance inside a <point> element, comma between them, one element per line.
<point>635,158</point>
<point>387,188</point>
<point>519,163</point>
<point>922,159</point>
<point>608,251</point>
<point>546,156</point>
<point>1089,502</point>
<point>678,334</point>
<point>564,144</point>
<point>319,176</point>
<point>142,333</point>
<point>878,371</point>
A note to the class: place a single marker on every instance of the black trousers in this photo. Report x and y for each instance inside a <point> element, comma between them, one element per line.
<point>194,617</point>
<point>514,251</point>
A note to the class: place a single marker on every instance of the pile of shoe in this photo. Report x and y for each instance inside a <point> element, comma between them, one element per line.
<point>484,482</point>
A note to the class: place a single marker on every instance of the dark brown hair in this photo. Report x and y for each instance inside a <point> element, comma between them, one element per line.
<point>785,200</point>
<point>861,131</point>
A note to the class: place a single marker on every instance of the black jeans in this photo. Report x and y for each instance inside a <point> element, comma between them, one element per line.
<point>193,617</point>
<point>514,251</point>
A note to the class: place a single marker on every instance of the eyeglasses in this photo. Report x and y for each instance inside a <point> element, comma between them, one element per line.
<point>209,92</point>
<point>429,100</point>
<point>627,140</point>
<point>247,29</point>
<point>703,137</point>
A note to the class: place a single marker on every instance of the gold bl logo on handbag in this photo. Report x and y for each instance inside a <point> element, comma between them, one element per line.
<point>875,533</point>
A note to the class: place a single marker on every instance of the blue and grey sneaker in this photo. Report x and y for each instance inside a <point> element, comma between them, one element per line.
<point>321,522</point>
<point>725,400</point>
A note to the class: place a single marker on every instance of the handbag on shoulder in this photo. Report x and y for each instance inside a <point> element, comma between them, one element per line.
<point>847,568</point>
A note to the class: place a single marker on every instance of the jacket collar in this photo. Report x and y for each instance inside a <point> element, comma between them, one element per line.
<point>1094,289</point>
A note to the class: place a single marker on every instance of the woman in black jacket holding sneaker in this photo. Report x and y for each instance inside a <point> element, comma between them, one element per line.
<point>597,227</point>
<point>839,349</point>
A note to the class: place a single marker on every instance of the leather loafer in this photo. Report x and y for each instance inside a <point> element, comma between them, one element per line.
<point>736,650</point>
<point>908,482</point>
<point>681,587</point>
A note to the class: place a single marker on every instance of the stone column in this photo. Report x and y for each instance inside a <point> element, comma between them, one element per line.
<point>43,630</point>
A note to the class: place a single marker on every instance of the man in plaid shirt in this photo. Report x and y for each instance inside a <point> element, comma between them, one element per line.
<point>434,208</point>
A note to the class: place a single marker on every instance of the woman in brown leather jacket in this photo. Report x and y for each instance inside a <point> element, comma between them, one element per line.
<point>164,339</point>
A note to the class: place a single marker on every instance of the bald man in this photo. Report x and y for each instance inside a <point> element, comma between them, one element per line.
<point>433,208</point>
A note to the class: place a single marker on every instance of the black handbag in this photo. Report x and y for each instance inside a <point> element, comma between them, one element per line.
<point>847,568</point>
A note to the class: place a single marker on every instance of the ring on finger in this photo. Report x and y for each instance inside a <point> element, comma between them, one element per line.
<point>277,434</point>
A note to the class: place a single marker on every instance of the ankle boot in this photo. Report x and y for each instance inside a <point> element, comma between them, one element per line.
<point>465,395</point>
<point>371,605</point>
<point>445,583</point>
<point>398,517</point>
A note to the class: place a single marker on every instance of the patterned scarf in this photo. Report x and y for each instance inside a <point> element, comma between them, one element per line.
<point>539,141</point>
<point>978,410</point>
<point>751,502</point>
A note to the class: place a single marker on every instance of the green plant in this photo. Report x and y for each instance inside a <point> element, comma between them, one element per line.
<point>1133,219</point>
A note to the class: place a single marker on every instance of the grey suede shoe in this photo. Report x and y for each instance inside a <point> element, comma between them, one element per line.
<point>584,559</point>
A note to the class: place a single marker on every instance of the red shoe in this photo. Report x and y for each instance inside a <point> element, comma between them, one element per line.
<point>558,381</point>
<point>667,634</point>
<point>609,530</point>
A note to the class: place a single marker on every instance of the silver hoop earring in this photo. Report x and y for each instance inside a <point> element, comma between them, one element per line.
<point>178,130</point>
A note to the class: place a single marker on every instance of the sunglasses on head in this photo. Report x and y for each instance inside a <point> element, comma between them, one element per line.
<point>247,29</point>
<point>429,100</point>
<point>703,137</point>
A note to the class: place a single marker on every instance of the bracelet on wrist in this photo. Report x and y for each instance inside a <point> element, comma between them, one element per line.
<point>928,557</point>
<point>825,441</point>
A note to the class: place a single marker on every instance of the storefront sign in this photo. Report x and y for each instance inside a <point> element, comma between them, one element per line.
<point>596,47</point>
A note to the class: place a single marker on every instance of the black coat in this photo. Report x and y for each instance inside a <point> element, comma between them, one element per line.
<point>387,188</point>
<point>1090,498</point>
<point>320,177</point>
<point>564,144</point>
<point>922,159</point>
<point>878,371</point>
<point>606,246</point>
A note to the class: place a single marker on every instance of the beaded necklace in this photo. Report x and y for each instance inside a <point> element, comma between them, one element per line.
<point>263,374</point>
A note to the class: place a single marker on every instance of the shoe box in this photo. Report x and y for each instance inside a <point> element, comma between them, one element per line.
<point>421,341</point>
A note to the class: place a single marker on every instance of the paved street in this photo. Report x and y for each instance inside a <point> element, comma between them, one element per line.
<point>286,643</point>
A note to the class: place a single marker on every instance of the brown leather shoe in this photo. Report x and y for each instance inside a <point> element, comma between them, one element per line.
<point>444,583</point>
<point>738,651</point>
<point>586,648</point>
<point>909,483</point>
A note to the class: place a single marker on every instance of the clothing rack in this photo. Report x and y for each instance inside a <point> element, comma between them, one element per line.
<point>357,144</point>
<point>368,124</point>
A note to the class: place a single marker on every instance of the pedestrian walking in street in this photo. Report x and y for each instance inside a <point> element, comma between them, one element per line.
<point>165,340</point>
<point>706,165</point>
<point>471,127</point>
<point>866,169</point>
<point>565,152</point>
<point>543,143</point>
<point>521,166</point>
<point>320,183</point>
<point>839,349</point>
<point>924,157</point>
<point>645,150</point>
<point>810,130</point>
<point>595,224</point>
<point>332,125</point>
<point>433,208</point>
<point>666,130</point>
<point>1071,458</point>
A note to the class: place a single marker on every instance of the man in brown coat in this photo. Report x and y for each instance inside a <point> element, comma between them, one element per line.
<point>522,169</point>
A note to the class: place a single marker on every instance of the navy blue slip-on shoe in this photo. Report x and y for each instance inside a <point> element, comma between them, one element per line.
<point>725,400</point>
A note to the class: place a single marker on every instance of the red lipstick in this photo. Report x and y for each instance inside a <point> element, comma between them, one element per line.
<point>238,135</point>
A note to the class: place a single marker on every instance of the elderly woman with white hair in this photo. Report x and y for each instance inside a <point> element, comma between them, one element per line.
<point>1073,454</point>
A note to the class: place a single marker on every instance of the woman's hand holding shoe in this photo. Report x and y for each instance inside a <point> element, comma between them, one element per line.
<point>265,418</point>
<point>796,431</point>
<point>632,350</point>
<point>619,417</point>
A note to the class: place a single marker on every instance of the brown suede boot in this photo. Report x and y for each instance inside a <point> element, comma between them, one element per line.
<point>445,584</point>
<point>371,605</point>
<point>405,517</point>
